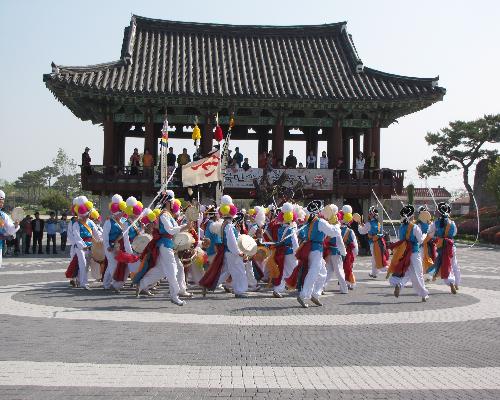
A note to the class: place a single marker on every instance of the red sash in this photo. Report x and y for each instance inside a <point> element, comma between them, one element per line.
<point>119,275</point>
<point>348,263</point>
<point>212,274</point>
<point>72,270</point>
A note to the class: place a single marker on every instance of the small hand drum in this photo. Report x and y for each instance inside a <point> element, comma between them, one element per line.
<point>97,251</point>
<point>247,245</point>
<point>183,241</point>
<point>356,217</point>
<point>140,242</point>
<point>425,216</point>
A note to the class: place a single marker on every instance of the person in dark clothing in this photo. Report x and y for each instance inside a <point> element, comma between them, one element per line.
<point>86,161</point>
<point>171,157</point>
<point>51,227</point>
<point>291,160</point>
<point>238,157</point>
<point>37,226</point>
<point>63,230</point>
<point>246,165</point>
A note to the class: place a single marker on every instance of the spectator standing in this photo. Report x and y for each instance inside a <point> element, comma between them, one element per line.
<point>27,231</point>
<point>360,165</point>
<point>262,160</point>
<point>135,162</point>
<point>183,158</point>
<point>86,161</point>
<point>246,165</point>
<point>63,230</point>
<point>291,160</point>
<point>311,160</point>
<point>171,157</point>
<point>238,156</point>
<point>147,162</point>
<point>323,160</point>
<point>37,228</point>
<point>51,228</point>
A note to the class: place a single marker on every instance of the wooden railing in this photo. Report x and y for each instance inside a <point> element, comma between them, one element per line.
<point>345,183</point>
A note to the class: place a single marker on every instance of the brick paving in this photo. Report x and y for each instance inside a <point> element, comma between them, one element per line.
<point>368,345</point>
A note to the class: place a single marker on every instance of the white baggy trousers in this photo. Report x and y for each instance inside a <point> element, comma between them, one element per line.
<point>334,264</point>
<point>416,275</point>
<point>289,265</point>
<point>316,276</point>
<point>233,265</point>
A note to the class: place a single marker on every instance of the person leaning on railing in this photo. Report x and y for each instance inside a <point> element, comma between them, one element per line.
<point>360,165</point>
<point>147,162</point>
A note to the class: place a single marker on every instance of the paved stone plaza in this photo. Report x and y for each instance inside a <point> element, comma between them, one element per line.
<point>61,343</point>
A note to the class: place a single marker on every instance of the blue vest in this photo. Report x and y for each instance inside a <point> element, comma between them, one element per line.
<point>283,231</point>
<point>114,232</point>
<point>132,232</point>
<point>317,237</point>
<point>224,238</point>
<point>375,229</point>
<point>214,239</point>
<point>413,240</point>
<point>167,242</point>
<point>332,245</point>
<point>343,229</point>
<point>441,228</point>
<point>3,216</point>
<point>84,232</point>
<point>424,227</point>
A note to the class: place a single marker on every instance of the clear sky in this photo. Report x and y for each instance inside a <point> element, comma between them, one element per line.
<point>457,40</point>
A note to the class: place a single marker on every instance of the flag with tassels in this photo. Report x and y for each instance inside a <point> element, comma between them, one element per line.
<point>164,133</point>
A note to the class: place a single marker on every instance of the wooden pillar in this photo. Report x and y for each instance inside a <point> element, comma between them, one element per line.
<point>334,143</point>
<point>109,141</point>
<point>376,143</point>
<point>150,135</point>
<point>119,152</point>
<point>279,139</point>
<point>355,147</point>
<point>367,143</point>
<point>207,136</point>
<point>346,148</point>
<point>263,137</point>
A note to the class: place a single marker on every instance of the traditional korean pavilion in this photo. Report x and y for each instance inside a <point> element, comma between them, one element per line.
<point>276,80</point>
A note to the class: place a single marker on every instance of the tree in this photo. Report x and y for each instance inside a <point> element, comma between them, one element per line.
<point>48,173</point>
<point>460,146</point>
<point>493,180</point>
<point>54,200</point>
<point>66,172</point>
<point>33,183</point>
<point>68,184</point>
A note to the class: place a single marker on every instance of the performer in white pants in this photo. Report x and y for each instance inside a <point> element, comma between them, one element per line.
<point>374,229</point>
<point>83,231</point>
<point>288,237</point>
<point>410,236</point>
<point>233,258</point>
<point>336,248</point>
<point>169,265</point>
<point>7,226</point>
<point>444,230</point>
<point>112,231</point>
<point>317,229</point>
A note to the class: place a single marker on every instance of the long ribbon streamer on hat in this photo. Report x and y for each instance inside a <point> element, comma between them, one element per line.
<point>162,188</point>
<point>386,213</point>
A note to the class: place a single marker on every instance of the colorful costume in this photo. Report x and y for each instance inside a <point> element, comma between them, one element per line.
<point>446,265</point>
<point>406,261</point>
<point>374,229</point>
<point>7,228</point>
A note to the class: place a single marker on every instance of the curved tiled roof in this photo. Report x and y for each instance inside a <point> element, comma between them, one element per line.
<point>316,62</point>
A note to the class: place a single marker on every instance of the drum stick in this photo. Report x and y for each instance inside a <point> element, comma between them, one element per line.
<point>163,187</point>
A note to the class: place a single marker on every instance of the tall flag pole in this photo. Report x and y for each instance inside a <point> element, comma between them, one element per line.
<point>224,155</point>
<point>163,151</point>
